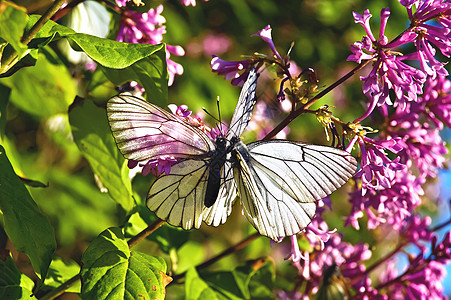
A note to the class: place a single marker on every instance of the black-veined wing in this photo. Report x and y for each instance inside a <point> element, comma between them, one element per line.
<point>144,131</point>
<point>244,107</point>
<point>178,196</point>
<point>279,182</point>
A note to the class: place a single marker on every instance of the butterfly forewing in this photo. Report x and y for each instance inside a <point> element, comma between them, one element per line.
<point>304,171</point>
<point>244,107</point>
<point>279,182</point>
<point>144,131</point>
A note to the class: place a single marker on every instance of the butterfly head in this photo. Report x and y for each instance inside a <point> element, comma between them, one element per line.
<point>221,142</point>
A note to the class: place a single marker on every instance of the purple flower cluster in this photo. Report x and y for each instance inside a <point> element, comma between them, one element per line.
<point>327,250</point>
<point>412,95</point>
<point>422,278</point>
<point>388,191</point>
<point>237,71</point>
<point>389,71</point>
<point>420,141</point>
<point>148,28</point>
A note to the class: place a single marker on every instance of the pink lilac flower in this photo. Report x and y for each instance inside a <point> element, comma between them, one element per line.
<point>327,250</point>
<point>389,71</point>
<point>265,34</point>
<point>122,3</point>
<point>420,142</point>
<point>231,69</point>
<point>158,166</point>
<point>189,2</point>
<point>390,205</point>
<point>416,231</point>
<point>423,277</point>
<point>430,34</point>
<point>348,259</point>
<point>437,97</point>
<point>148,28</point>
<point>377,171</point>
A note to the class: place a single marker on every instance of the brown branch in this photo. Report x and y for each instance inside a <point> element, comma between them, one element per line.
<point>224,253</point>
<point>294,114</point>
<point>12,58</point>
<point>143,234</point>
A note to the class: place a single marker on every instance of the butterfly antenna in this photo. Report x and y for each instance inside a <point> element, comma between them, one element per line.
<point>220,119</point>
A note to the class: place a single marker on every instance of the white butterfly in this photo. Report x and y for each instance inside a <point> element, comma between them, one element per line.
<point>278,181</point>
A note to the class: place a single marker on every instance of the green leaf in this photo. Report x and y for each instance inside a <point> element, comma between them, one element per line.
<point>28,229</point>
<point>4,97</point>
<point>111,271</point>
<point>13,19</point>
<point>251,281</point>
<point>44,90</point>
<point>13,284</point>
<point>61,271</point>
<point>150,72</point>
<point>121,62</point>
<point>93,137</point>
<point>196,288</point>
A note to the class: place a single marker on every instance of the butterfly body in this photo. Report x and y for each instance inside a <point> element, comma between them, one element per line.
<point>278,181</point>
<point>216,164</point>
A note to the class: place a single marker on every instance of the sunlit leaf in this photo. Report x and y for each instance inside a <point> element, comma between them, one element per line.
<point>13,19</point>
<point>13,284</point>
<point>196,288</point>
<point>111,271</point>
<point>43,90</point>
<point>253,280</point>
<point>122,62</point>
<point>61,271</point>
<point>28,229</point>
<point>93,137</point>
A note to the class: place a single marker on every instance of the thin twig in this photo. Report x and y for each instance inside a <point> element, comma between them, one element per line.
<point>28,36</point>
<point>440,226</point>
<point>385,258</point>
<point>224,253</point>
<point>61,289</point>
<point>143,234</point>
<point>294,114</point>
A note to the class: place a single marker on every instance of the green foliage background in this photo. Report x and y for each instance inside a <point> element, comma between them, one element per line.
<point>64,143</point>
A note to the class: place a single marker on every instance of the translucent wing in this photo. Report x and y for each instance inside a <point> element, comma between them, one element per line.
<point>279,182</point>
<point>144,131</point>
<point>178,198</point>
<point>245,105</point>
<point>218,213</point>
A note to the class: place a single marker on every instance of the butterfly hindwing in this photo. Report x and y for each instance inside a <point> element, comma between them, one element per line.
<point>144,131</point>
<point>279,182</point>
<point>178,197</point>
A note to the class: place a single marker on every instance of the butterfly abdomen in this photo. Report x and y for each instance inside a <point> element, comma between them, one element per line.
<point>214,177</point>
